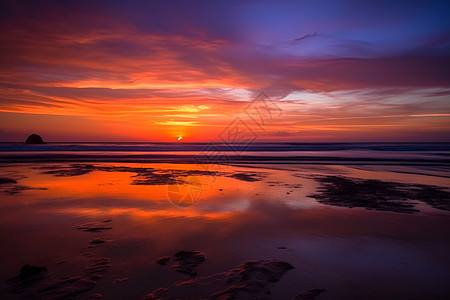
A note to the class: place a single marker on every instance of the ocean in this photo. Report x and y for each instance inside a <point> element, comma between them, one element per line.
<point>220,153</point>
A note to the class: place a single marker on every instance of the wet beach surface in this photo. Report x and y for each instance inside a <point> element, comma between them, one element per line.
<point>159,231</point>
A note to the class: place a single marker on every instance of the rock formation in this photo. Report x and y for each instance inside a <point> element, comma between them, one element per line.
<point>34,139</point>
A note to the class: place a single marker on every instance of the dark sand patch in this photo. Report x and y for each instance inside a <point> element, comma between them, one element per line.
<point>66,287</point>
<point>15,189</point>
<point>250,280</point>
<point>10,186</point>
<point>98,266</point>
<point>101,240</point>
<point>185,262</point>
<point>379,195</point>
<point>188,261</point>
<point>29,271</point>
<point>148,176</point>
<point>287,185</point>
<point>7,181</point>
<point>69,287</point>
<point>435,196</point>
<point>143,176</point>
<point>246,176</point>
<point>28,276</point>
<point>94,227</point>
<point>156,179</point>
<point>168,177</point>
<point>70,171</point>
<point>163,260</point>
<point>82,169</point>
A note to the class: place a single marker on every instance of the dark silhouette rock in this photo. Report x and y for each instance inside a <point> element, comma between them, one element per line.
<point>34,139</point>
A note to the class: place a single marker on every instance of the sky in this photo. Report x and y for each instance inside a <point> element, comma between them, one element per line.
<point>326,70</point>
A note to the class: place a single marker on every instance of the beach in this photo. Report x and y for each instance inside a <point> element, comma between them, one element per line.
<point>241,230</point>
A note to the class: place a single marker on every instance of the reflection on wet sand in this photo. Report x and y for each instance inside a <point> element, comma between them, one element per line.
<point>99,229</point>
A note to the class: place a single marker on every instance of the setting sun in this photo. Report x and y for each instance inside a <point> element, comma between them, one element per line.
<point>179,138</point>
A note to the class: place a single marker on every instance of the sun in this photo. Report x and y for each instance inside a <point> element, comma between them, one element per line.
<point>179,138</point>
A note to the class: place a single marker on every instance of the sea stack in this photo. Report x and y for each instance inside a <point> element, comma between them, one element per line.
<point>34,139</point>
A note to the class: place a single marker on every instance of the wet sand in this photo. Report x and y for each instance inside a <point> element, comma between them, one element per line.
<point>162,231</point>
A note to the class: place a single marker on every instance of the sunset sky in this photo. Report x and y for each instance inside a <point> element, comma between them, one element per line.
<point>338,71</point>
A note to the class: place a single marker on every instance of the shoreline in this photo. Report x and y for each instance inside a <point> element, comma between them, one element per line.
<point>223,159</point>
